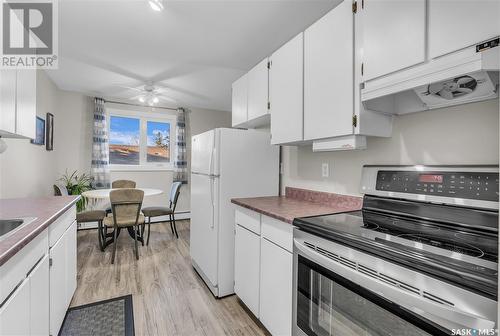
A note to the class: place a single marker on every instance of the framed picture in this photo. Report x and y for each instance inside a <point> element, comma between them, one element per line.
<point>40,132</point>
<point>49,145</point>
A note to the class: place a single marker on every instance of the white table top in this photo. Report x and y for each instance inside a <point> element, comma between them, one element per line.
<point>104,193</point>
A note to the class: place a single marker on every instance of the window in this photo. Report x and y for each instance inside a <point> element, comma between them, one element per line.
<point>158,141</point>
<point>124,140</point>
<point>140,140</point>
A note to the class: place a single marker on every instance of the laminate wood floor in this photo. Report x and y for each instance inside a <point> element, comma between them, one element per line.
<point>168,295</point>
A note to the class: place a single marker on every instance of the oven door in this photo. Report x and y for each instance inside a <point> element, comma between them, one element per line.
<point>333,299</point>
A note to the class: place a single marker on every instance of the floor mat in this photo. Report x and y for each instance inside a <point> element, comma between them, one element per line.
<point>113,317</point>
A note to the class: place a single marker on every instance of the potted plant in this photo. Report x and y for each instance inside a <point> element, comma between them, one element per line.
<point>76,185</point>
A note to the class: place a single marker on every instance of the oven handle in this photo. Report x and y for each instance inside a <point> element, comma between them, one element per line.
<point>447,316</point>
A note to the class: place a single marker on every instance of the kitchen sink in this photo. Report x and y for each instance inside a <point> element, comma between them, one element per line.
<point>10,225</point>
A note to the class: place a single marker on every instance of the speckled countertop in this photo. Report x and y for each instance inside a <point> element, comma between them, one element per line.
<point>45,209</point>
<point>300,203</point>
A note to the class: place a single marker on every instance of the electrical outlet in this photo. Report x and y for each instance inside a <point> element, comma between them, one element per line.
<point>325,170</point>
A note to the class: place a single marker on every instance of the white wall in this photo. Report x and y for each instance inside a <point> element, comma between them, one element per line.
<point>28,170</point>
<point>466,134</point>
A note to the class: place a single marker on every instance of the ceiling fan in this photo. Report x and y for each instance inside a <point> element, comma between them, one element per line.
<point>150,94</point>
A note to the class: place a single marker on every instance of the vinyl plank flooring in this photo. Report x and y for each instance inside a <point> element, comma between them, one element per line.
<point>169,297</point>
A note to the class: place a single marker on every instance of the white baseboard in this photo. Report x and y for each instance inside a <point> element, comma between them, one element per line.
<point>178,216</point>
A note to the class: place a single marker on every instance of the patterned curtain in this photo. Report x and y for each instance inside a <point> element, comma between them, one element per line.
<point>100,147</point>
<point>180,158</point>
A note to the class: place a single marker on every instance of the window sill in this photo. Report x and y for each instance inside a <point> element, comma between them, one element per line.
<point>113,168</point>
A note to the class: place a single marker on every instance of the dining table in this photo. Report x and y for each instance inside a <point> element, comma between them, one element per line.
<point>96,196</point>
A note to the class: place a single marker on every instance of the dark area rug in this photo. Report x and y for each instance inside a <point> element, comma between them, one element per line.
<point>113,317</point>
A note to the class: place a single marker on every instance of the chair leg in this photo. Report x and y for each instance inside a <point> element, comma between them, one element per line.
<point>135,243</point>
<point>171,225</point>
<point>99,234</point>
<point>149,229</point>
<point>115,242</point>
<point>175,226</point>
<point>143,229</point>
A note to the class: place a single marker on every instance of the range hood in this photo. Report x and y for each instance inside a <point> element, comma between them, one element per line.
<point>465,76</point>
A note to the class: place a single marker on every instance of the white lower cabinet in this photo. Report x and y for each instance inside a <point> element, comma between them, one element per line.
<point>14,317</point>
<point>39,298</point>
<point>263,269</point>
<point>26,310</point>
<point>276,288</point>
<point>62,277</point>
<point>246,270</point>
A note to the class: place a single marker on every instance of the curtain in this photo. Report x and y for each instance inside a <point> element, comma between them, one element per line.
<point>180,158</point>
<point>100,148</point>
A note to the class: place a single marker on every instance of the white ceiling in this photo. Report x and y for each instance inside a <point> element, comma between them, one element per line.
<point>196,48</point>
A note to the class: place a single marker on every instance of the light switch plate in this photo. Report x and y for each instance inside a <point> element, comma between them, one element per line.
<point>325,170</point>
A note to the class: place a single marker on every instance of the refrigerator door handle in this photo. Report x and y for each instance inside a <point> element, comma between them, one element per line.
<point>212,181</point>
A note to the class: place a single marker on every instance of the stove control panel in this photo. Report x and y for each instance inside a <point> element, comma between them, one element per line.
<point>467,185</point>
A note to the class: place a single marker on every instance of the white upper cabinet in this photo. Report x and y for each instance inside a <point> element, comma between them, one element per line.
<point>18,103</point>
<point>457,24</point>
<point>394,35</point>
<point>328,74</point>
<point>258,90</point>
<point>286,83</point>
<point>240,101</point>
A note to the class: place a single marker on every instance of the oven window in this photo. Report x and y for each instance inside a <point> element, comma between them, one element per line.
<point>328,304</point>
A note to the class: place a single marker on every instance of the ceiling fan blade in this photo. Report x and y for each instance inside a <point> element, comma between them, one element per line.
<point>168,99</point>
<point>170,88</point>
<point>129,87</point>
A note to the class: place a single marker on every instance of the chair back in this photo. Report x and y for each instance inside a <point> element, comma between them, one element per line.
<point>175,191</point>
<point>126,203</point>
<point>123,184</point>
<point>60,190</point>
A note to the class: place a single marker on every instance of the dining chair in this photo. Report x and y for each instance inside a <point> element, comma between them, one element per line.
<point>120,184</point>
<point>123,184</point>
<point>169,211</point>
<point>87,216</point>
<point>126,206</point>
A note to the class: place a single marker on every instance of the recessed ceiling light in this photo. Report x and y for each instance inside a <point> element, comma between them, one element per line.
<point>141,99</point>
<point>156,5</point>
<point>156,100</point>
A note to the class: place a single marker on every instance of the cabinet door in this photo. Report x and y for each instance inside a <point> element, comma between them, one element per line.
<point>276,288</point>
<point>240,101</point>
<point>258,90</point>
<point>394,35</point>
<point>8,101</point>
<point>58,284</point>
<point>26,103</point>
<point>457,24</point>
<point>15,313</point>
<point>246,268</point>
<point>71,262</point>
<point>39,298</point>
<point>328,75</point>
<point>286,83</point>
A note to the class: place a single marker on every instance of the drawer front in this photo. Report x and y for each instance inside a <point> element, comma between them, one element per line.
<point>248,219</point>
<point>59,226</point>
<point>16,268</point>
<point>278,232</point>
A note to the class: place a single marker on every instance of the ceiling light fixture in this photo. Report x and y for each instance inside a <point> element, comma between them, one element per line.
<point>141,99</point>
<point>156,5</point>
<point>156,100</point>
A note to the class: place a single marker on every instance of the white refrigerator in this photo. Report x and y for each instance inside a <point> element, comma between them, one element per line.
<point>225,163</point>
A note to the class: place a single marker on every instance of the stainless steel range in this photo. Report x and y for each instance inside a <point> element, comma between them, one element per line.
<point>420,258</point>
